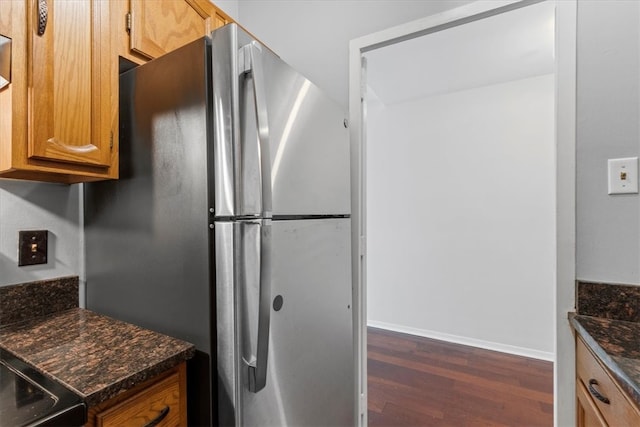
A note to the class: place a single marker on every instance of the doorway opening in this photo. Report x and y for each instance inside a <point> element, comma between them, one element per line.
<point>461,146</point>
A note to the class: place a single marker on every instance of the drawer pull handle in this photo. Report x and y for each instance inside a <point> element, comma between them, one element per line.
<point>43,16</point>
<point>163,414</point>
<point>596,393</point>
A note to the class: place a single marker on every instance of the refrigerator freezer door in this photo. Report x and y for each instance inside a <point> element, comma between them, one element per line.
<point>310,375</point>
<point>224,84</point>
<point>308,141</point>
<point>255,166</point>
<point>309,144</point>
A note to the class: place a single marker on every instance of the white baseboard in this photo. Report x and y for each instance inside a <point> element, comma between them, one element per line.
<point>488,345</point>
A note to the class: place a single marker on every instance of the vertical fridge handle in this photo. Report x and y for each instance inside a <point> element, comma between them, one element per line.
<point>255,250</point>
<point>258,373</point>
<point>251,62</point>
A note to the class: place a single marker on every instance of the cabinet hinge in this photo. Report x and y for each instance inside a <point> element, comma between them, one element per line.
<point>128,22</point>
<point>111,142</point>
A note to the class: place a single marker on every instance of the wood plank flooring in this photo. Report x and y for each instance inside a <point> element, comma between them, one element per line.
<point>415,381</point>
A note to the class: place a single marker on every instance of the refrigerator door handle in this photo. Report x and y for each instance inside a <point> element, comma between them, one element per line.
<point>257,364</point>
<point>251,62</point>
<point>259,372</point>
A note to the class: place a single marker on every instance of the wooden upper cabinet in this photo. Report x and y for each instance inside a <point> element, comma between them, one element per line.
<point>157,27</point>
<point>59,114</point>
<point>70,84</point>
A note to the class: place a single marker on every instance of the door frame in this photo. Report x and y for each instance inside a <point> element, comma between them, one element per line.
<point>565,135</point>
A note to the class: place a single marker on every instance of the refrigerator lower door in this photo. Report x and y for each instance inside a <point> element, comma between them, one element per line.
<point>310,372</point>
<point>227,339</point>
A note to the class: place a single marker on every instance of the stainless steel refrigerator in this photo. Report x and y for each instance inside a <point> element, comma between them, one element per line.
<point>230,228</point>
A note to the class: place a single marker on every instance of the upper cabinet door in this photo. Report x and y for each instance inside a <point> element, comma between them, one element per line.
<point>69,82</point>
<point>160,27</point>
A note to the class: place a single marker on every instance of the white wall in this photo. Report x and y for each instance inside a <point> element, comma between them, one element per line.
<point>608,110</point>
<point>34,206</point>
<point>313,35</point>
<point>230,7</point>
<point>460,216</point>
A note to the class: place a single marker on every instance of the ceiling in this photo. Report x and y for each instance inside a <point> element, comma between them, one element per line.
<point>501,48</point>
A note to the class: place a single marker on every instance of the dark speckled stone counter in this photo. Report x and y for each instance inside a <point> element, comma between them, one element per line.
<point>27,300</point>
<point>609,301</point>
<point>95,356</point>
<point>608,321</point>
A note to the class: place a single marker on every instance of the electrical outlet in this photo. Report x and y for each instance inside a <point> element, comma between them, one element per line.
<point>623,175</point>
<point>32,247</point>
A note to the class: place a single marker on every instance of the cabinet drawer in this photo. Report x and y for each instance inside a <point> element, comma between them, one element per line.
<point>588,413</point>
<point>161,400</point>
<point>619,411</point>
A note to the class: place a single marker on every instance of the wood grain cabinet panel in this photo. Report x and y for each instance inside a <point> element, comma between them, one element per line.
<point>614,407</point>
<point>159,404</point>
<point>69,93</point>
<point>158,27</point>
<point>161,401</point>
<point>588,414</point>
<point>59,114</point>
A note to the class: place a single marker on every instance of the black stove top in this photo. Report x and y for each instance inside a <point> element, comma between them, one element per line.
<point>28,398</point>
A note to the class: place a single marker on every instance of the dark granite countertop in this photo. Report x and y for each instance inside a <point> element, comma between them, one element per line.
<point>96,356</point>
<point>617,344</point>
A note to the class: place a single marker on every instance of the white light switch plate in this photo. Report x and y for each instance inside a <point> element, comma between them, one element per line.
<point>623,175</point>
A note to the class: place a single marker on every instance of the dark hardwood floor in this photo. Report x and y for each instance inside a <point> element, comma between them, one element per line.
<point>415,381</point>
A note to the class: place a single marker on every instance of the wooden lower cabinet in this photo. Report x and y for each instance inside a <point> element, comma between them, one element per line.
<point>588,414</point>
<point>599,399</point>
<point>161,401</point>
